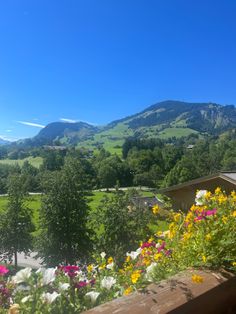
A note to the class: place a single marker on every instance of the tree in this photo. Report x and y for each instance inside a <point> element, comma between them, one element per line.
<point>123,227</point>
<point>15,223</point>
<point>64,236</point>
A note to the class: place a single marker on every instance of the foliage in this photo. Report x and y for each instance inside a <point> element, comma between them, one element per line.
<point>15,223</point>
<point>124,225</point>
<point>64,235</point>
<point>204,237</point>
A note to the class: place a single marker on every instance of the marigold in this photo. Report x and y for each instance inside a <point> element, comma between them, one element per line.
<point>90,268</point>
<point>155,209</point>
<point>128,291</point>
<point>135,276</point>
<point>197,278</point>
<point>110,260</point>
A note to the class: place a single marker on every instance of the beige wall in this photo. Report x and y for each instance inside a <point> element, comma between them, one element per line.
<point>184,197</point>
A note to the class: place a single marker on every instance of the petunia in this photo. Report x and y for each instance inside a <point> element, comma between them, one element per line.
<point>22,275</point>
<point>48,276</point>
<point>103,254</point>
<point>108,282</point>
<point>150,270</point>
<point>199,197</point>
<point>63,286</point>
<point>50,297</point>
<point>3,270</point>
<point>93,295</point>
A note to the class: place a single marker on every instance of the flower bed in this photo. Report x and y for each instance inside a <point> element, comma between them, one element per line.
<point>203,238</point>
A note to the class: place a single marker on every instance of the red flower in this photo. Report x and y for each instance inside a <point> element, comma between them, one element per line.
<point>71,270</point>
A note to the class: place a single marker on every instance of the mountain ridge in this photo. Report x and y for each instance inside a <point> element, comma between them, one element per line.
<point>164,119</point>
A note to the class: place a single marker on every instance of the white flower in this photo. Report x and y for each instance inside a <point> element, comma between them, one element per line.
<point>25,299</point>
<point>149,271</point>
<point>63,286</point>
<point>93,295</point>
<point>48,276</point>
<point>22,275</point>
<point>134,254</point>
<point>50,297</point>
<point>110,266</point>
<point>108,282</point>
<point>103,254</point>
<point>199,196</point>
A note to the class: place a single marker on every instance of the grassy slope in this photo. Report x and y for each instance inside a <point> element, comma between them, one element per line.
<point>34,161</point>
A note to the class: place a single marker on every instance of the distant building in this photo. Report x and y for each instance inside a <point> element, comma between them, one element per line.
<point>183,195</point>
<point>190,146</point>
<point>54,147</point>
<point>144,202</point>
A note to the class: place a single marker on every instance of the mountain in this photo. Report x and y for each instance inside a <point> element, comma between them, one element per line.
<point>163,120</point>
<point>3,142</point>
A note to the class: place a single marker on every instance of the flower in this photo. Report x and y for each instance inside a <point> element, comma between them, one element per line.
<point>134,254</point>
<point>197,278</point>
<point>63,286</point>
<point>50,297</point>
<point>128,291</point>
<point>108,282</point>
<point>81,284</point>
<point>25,299</point>
<point>93,295</point>
<point>199,197</point>
<point>103,254</point>
<point>135,276</point>
<point>70,270</point>
<point>155,209</point>
<point>48,276</point>
<point>110,260</point>
<point>110,266</point>
<point>14,309</point>
<point>149,271</point>
<point>234,264</point>
<point>22,275</point>
<point>204,259</point>
<point>90,268</point>
<point>3,270</point>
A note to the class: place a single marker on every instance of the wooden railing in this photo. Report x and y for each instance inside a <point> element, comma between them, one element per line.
<point>179,295</point>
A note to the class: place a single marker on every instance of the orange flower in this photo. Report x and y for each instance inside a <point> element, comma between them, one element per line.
<point>197,278</point>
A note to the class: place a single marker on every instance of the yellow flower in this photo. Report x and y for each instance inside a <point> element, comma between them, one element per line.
<point>103,266</point>
<point>189,216</point>
<point>128,291</point>
<point>155,209</point>
<point>128,258</point>
<point>14,309</point>
<point>234,264</point>
<point>222,199</point>
<point>90,268</point>
<point>197,278</point>
<point>110,260</point>
<point>234,213</point>
<point>218,190</point>
<point>204,259</point>
<point>135,276</point>
<point>157,256</point>
<point>187,236</point>
<point>159,233</point>
<point>150,240</point>
<point>146,261</point>
<point>224,219</point>
<point>208,195</point>
<point>208,237</point>
<point>177,217</point>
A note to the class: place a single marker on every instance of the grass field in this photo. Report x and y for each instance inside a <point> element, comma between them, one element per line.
<point>34,203</point>
<point>34,161</point>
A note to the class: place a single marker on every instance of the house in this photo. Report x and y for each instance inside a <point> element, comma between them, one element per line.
<point>145,202</point>
<point>183,195</point>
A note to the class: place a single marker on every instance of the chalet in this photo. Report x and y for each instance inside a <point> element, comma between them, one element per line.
<point>183,195</point>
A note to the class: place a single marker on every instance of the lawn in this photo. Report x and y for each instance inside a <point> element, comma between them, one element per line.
<point>34,161</point>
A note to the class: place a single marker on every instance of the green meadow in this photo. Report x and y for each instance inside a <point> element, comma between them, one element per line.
<point>34,161</point>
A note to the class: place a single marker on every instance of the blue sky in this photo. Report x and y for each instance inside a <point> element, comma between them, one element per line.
<point>100,60</point>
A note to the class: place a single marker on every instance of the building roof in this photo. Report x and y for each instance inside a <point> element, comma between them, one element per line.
<point>149,201</point>
<point>229,176</point>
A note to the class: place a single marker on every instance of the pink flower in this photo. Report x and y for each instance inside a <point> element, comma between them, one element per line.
<point>70,270</point>
<point>80,284</point>
<point>211,212</point>
<point>3,270</point>
<point>148,244</point>
<point>161,247</point>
